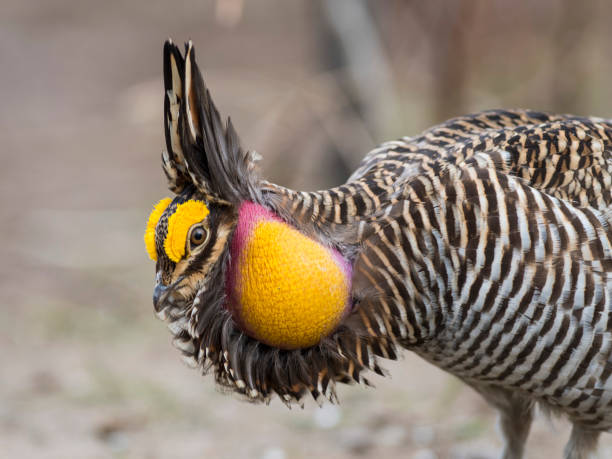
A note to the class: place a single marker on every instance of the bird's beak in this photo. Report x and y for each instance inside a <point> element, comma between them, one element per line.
<point>158,296</point>
<point>158,293</point>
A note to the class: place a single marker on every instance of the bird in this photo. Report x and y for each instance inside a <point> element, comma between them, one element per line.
<point>483,245</point>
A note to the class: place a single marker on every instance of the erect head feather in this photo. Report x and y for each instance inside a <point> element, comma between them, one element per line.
<point>202,150</point>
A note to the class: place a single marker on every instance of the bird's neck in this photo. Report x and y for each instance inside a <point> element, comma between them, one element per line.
<point>283,287</point>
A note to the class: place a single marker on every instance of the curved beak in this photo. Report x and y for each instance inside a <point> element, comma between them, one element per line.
<point>164,294</point>
<point>159,295</point>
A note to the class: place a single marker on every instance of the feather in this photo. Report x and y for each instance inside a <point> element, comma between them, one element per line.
<point>201,149</point>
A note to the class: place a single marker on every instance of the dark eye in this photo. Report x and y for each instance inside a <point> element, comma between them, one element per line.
<point>198,236</point>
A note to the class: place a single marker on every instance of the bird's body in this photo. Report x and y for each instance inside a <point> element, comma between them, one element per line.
<point>483,245</point>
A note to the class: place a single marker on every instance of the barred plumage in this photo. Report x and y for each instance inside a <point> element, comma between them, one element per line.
<point>483,245</point>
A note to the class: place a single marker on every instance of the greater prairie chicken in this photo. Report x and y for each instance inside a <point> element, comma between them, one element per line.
<point>482,245</point>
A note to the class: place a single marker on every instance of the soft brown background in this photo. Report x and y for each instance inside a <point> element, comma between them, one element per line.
<point>85,368</point>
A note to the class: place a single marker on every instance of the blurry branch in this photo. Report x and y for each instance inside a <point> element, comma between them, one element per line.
<point>569,67</point>
<point>365,61</point>
<point>326,117</point>
<point>448,28</point>
<point>347,132</point>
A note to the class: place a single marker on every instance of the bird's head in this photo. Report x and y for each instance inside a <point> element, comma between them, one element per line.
<point>244,291</point>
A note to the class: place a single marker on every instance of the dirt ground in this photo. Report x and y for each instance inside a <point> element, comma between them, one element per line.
<point>85,368</point>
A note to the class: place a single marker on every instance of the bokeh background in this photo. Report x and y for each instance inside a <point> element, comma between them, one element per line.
<point>85,368</point>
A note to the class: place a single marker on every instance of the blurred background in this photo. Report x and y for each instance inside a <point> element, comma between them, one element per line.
<point>85,368</point>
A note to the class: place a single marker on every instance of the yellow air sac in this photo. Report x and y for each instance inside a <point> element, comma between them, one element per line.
<point>288,291</point>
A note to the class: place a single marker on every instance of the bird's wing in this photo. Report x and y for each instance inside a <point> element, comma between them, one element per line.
<point>440,142</point>
<point>570,159</point>
<point>565,156</point>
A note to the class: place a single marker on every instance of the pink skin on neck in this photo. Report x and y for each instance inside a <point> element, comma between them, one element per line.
<point>249,215</point>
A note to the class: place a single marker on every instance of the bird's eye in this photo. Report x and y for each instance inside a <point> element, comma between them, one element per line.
<point>198,236</point>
